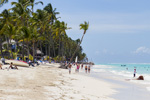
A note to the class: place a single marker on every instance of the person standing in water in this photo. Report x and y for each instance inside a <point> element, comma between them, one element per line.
<point>134,74</point>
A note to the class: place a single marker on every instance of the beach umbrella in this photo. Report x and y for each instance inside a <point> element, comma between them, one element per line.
<point>76,60</point>
<point>11,42</point>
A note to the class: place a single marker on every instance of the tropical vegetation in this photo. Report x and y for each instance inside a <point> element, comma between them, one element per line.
<point>26,31</point>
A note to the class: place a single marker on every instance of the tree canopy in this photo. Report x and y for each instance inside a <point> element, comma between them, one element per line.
<point>36,30</point>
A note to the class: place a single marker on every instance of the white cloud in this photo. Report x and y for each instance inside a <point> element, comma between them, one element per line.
<point>109,22</point>
<point>105,51</point>
<point>119,28</point>
<point>97,52</point>
<point>142,49</point>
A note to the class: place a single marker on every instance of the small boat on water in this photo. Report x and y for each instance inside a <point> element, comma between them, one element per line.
<point>123,65</point>
<point>18,63</point>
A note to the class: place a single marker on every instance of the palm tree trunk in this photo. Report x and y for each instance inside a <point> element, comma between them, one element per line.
<point>33,52</point>
<point>7,43</point>
<point>28,49</point>
<point>23,50</point>
<point>50,47</point>
<point>36,43</point>
<point>9,47</point>
<point>53,46</point>
<point>41,46</point>
<point>77,48</point>
<point>49,50</point>
<point>54,50</point>
<point>46,49</point>
<point>11,54</point>
<point>59,46</point>
<point>62,49</point>
<point>1,47</point>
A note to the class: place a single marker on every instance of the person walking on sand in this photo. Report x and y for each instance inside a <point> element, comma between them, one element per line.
<point>78,66</point>
<point>89,68</point>
<point>82,66</point>
<point>134,74</point>
<point>85,68</point>
<point>69,68</point>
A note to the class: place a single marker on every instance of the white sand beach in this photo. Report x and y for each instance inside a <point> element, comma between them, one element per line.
<point>48,82</point>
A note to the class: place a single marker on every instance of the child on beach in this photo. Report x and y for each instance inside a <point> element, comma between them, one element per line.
<point>69,67</point>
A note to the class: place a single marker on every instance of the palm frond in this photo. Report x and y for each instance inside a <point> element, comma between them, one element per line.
<point>39,2</point>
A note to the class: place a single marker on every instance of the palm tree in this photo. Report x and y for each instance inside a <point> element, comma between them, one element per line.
<point>34,35</point>
<point>1,36</point>
<point>41,20</point>
<point>9,31</point>
<point>85,27</point>
<point>3,2</point>
<point>51,19</point>
<point>25,34</point>
<point>32,3</point>
<point>59,29</point>
<point>40,27</point>
<point>5,17</point>
<point>51,11</point>
<point>6,27</point>
<point>21,11</point>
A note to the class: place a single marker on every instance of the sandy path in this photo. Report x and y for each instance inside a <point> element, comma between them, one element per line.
<point>51,83</point>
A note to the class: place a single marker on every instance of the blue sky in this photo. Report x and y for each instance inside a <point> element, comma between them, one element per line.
<point>119,30</point>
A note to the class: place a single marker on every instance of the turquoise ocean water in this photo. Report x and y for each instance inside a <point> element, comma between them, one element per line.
<point>126,71</point>
<point>140,68</point>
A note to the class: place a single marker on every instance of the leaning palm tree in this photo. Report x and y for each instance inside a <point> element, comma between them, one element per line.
<point>85,27</point>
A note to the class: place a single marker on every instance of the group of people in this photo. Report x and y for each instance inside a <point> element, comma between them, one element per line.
<point>87,67</point>
<point>31,63</point>
<point>10,66</point>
